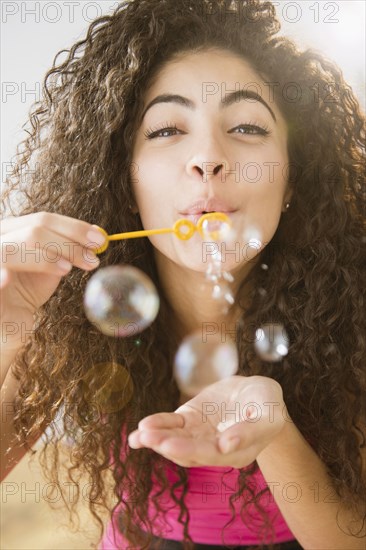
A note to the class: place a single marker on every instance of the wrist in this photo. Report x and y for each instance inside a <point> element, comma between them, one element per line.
<point>282,439</point>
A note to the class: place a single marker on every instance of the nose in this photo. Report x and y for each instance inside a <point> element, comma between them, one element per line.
<point>207,163</point>
<point>208,169</point>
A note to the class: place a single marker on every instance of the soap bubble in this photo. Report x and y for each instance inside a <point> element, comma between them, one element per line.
<point>252,238</point>
<point>271,342</point>
<point>108,386</point>
<point>217,230</point>
<point>121,300</point>
<point>222,292</point>
<point>262,292</point>
<point>199,363</point>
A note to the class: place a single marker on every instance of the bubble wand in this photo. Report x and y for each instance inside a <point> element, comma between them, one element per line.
<point>177,229</point>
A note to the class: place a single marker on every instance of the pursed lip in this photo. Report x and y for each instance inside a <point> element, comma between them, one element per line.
<point>202,206</point>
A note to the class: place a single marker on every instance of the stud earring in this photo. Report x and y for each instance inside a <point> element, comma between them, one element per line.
<point>287,205</point>
<point>133,209</point>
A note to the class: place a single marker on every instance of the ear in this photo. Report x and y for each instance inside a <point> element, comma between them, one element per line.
<point>288,193</point>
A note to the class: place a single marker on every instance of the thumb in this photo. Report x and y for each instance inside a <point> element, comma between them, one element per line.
<point>240,434</point>
<point>254,430</point>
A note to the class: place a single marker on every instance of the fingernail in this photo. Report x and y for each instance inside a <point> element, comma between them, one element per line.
<point>92,259</point>
<point>230,445</point>
<point>96,237</point>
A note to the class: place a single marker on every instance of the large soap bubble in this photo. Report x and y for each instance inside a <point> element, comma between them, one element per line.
<point>217,230</point>
<point>201,361</point>
<point>121,300</point>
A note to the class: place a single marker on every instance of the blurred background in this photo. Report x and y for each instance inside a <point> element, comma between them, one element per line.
<point>31,35</point>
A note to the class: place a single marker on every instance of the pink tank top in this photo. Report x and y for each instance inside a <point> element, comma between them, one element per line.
<point>207,499</point>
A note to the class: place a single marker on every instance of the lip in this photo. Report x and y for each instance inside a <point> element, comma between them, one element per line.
<point>201,206</point>
<point>195,217</point>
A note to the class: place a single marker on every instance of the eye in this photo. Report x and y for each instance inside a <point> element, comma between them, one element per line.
<point>250,130</point>
<point>169,129</point>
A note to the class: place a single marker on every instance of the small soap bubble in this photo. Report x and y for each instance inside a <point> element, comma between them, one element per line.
<point>271,342</point>
<point>252,237</point>
<point>223,234</point>
<point>223,292</point>
<point>203,360</point>
<point>228,277</point>
<point>262,292</point>
<point>121,300</point>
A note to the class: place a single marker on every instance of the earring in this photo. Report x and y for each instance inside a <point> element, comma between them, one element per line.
<point>287,205</point>
<point>133,209</point>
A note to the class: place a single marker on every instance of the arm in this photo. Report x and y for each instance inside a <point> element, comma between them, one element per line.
<point>295,474</point>
<point>25,287</point>
<point>302,489</point>
<point>8,390</point>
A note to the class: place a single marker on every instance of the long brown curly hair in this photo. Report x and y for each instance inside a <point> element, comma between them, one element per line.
<point>77,162</point>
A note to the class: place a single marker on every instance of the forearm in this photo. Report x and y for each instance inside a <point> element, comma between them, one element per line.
<point>303,492</point>
<point>7,357</point>
<point>10,452</point>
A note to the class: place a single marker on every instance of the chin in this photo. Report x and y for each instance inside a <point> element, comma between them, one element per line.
<point>200,265</point>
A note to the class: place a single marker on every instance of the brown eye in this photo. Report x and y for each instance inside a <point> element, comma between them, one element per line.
<point>165,131</point>
<point>250,129</point>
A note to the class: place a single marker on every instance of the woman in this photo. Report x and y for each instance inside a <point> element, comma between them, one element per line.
<point>172,103</point>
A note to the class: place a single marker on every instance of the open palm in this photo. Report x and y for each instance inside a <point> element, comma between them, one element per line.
<point>198,432</point>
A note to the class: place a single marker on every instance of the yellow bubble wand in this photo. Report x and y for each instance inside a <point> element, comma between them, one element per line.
<point>183,229</point>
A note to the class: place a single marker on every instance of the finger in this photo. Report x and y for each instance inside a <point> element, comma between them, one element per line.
<point>134,440</point>
<point>162,420</point>
<point>149,438</point>
<point>201,451</point>
<point>153,438</point>
<point>249,434</point>
<point>190,452</point>
<point>65,226</point>
<point>135,443</point>
<point>41,250</point>
<point>70,229</point>
<point>206,453</point>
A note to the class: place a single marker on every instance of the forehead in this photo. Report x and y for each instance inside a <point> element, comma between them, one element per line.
<point>193,70</point>
<point>207,78</point>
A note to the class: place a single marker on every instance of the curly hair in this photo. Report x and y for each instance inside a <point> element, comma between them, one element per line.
<point>80,143</point>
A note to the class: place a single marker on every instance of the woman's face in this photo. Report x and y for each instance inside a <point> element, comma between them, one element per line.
<point>198,142</point>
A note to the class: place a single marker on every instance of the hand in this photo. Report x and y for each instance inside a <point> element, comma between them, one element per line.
<point>32,246</point>
<point>250,408</point>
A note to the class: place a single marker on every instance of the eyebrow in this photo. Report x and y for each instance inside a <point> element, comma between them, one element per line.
<point>229,99</point>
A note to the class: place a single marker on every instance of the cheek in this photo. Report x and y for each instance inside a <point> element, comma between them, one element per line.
<point>265,183</point>
<point>265,196</point>
<point>152,192</point>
